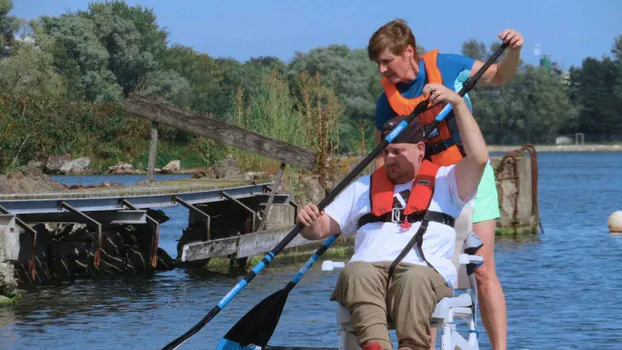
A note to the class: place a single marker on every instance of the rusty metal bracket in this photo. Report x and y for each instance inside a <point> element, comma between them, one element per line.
<point>89,221</point>
<point>33,233</point>
<point>535,208</point>
<point>244,206</point>
<point>295,206</point>
<point>155,228</point>
<point>208,218</point>
<point>266,212</point>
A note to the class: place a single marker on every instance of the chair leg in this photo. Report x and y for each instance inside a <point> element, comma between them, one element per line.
<point>446,337</point>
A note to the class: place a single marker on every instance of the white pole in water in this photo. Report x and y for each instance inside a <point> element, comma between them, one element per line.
<point>615,222</point>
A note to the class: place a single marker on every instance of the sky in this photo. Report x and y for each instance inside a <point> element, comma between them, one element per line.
<point>567,30</point>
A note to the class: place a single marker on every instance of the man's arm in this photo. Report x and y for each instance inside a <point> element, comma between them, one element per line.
<point>470,169</point>
<point>504,72</point>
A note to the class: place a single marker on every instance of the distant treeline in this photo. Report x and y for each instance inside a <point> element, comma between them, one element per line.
<point>62,78</point>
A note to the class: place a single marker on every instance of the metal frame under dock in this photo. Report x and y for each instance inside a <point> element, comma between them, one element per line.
<point>226,219</point>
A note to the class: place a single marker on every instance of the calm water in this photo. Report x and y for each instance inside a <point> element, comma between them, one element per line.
<point>562,291</point>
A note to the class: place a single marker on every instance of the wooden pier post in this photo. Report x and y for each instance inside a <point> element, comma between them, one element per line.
<point>153,149</point>
<point>517,186</point>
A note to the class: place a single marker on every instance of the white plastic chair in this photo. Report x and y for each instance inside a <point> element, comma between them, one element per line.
<point>462,306</point>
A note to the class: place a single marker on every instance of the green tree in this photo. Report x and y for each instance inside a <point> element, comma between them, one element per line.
<point>594,88</point>
<point>80,57</point>
<point>533,108</point>
<point>474,49</point>
<point>8,26</point>
<point>30,70</point>
<point>203,74</point>
<point>133,40</point>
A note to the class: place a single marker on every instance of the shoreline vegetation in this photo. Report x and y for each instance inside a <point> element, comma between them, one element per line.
<point>64,81</point>
<point>212,170</point>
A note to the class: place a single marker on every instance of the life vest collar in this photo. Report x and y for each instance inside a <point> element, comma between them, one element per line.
<point>382,190</point>
<point>381,198</point>
<point>402,105</point>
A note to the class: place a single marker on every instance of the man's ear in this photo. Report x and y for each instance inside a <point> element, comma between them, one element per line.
<point>421,148</point>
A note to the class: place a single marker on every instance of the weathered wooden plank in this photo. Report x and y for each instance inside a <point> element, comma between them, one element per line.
<point>243,246</point>
<point>203,250</point>
<point>217,130</point>
<point>263,242</point>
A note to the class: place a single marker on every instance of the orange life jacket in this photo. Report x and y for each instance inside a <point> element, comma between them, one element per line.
<point>442,148</point>
<point>381,199</point>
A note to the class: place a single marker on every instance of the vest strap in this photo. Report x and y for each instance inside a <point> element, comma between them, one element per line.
<point>432,149</point>
<point>397,217</point>
<point>416,240</point>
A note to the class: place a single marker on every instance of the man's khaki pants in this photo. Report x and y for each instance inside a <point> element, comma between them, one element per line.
<point>408,302</point>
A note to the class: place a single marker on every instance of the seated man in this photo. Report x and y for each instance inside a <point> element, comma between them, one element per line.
<point>407,201</point>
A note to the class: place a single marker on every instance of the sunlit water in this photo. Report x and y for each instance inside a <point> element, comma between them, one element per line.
<point>563,290</point>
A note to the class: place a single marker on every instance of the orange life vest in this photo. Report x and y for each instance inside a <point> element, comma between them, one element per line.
<point>440,149</point>
<point>381,199</point>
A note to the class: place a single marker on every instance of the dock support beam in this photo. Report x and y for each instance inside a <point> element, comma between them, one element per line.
<point>33,233</point>
<point>208,219</point>
<point>154,225</point>
<point>266,212</point>
<point>242,205</point>
<point>241,261</point>
<point>93,223</point>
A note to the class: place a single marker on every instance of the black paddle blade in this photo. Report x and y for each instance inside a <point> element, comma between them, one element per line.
<point>258,325</point>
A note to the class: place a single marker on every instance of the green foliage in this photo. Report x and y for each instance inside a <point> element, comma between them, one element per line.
<point>8,26</point>
<point>534,106</point>
<point>29,69</point>
<point>63,81</point>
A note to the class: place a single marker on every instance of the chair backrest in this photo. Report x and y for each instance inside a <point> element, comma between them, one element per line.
<point>463,226</point>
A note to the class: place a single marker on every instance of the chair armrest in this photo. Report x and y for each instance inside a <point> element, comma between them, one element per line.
<point>329,265</point>
<point>464,259</point>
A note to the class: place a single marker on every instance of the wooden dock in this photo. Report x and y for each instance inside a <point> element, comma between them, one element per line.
<point>223,220</point>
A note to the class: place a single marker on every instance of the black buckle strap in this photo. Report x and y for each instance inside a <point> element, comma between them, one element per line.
<point>435,216</point>
<point>439,147</point>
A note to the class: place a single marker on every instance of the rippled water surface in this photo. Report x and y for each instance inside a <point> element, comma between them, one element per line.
<point>563,289</point>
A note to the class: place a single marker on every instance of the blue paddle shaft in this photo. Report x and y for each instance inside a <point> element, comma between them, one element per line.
<point>238,287</point>
<point>315,257</point>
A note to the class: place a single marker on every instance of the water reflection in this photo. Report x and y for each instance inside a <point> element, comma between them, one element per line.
<point>561,288</point>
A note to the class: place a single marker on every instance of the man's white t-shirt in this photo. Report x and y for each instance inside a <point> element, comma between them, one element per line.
<point>383,241</point>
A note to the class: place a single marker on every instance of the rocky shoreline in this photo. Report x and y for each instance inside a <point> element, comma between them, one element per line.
<point>65,164</point>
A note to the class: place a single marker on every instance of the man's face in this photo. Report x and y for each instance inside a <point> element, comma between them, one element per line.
<point>402,161</point>
<point>397,68</point>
